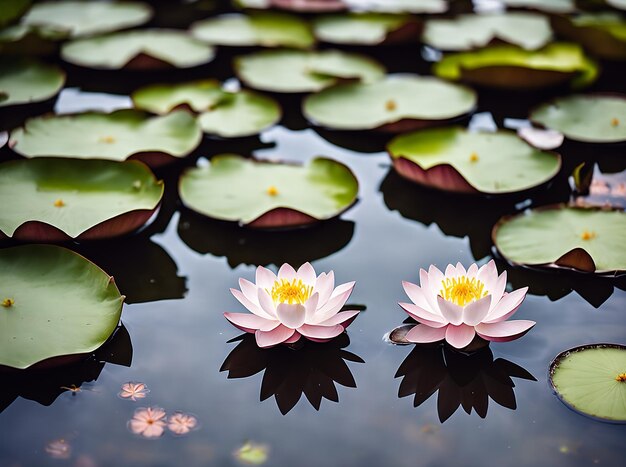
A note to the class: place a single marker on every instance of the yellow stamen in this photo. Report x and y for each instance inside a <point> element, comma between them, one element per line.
<point>391,105</point>
<point>59,203</point>
<point>614,122</point>
<point>107,139</point>
<point>462,290</point>
<point>586,235</point>
<point>272,190</point>
<point>290,292</point>
<point>621,378</point>
<point>473,157</point>
<point>8,302</point>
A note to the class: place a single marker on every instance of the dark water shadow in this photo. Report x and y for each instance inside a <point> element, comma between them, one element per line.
<point>466,381</point>
<point>312,370</point>
<point>247,246</point>
<point>44,386</point>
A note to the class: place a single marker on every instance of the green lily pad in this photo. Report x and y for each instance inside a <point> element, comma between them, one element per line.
<point>549,6</point>
<point>116,136</point>
<point>138,50</point>
<point>21,40</point>
<point>591,118</point>
<point>582,239</point>
<point>50,199</point>
<point>398,6</point>
<point>396,103</point>
<point>300,71</point>
<point>365,28</point>
<point>512,67</point>
<point>603,34</point>
<point>222,113</point>
<point>591,379</point>
<point>13,10</point>
<point>85,18</point>
<point>263,29</point>
<point>54,303</point>
<point>266,194</point>
<point>455,159</point>
<point>466,32</point>
<point>23,81</point>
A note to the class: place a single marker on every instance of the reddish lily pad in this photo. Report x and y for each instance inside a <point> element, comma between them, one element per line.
<point>301,6</point>
<point>366,28</point>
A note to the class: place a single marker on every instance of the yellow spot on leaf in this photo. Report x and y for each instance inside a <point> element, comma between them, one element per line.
<point>107,139</point>
<point>586,235</point>
<point>59,203</point>
<point>614,122</point>
<point>391,105</point>
<point>473,157</point>
<point>621,378</point>
<point>272,191</point>
<point>8,302</point>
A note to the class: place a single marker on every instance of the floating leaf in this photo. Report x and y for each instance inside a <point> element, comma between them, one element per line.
<point>222,113</point>
<point>583,239</point>
<point>466,32</point>
<point>252,453</point>
<point>365,28</point>
<point>603,34</point>
<point>398,6</point>
<point>140,49</point>
<point>511,67</point>
<point>267,195</point>
<point>23,81</point>
<point>12,10</point>
<point>591,379</point>
<point>262,29</point>
<point>396,103</point>
<point>299,71</point>
<point>61,199</point>
<point>590,118</point>
<point>549,6</point>
<point>117,136</point>
<point>87,18</point>
<point>455,159</point>
<point>21,40</point>
<point>60,305</point>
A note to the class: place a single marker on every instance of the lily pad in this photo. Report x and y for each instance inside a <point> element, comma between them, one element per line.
<point>80,18</point>
<point>302,6</point>
<point>54,303</point>
<point>222,113</point>
<point>396,103</point>
<point>511,67</point>
<point>549,6</point>
<point>266,29</point>
<point>139,50</point>
<point>365,28</point>
<point>299,71</point>
<point>466,32</point>
<point>116,136</point>
<point>603,34</point>
<point>23,81</point>
<point>266,194</point>
<point>50,199</point>
<point>577,238</point>
<point>591,379</point>
<point>13,10</point>
<point>455,159</point>
<point>590,118</point>
<point>21,40</point>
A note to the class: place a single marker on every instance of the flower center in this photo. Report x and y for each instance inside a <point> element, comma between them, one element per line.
<point>462,290</point>
<point>621,378</point>
<point>294,291</point>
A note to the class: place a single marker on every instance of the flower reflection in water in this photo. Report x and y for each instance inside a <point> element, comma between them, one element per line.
<point>59,449</point>
<point>312,369</point>
<point>467,380</point>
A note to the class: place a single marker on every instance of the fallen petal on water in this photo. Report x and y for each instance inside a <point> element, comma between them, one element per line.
<point>133,391</point>
<point>541,139</point>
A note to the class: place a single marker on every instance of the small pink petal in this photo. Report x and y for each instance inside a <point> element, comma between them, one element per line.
<point>320,332</point>
<point>507,306</point>
<point>340,318</point>
<point>435,276</point>
<point>423,316</point>
<point>311,307</point>
<point>249,290</point>
<point>415,294</point>
<point>307,274</point>
<point>324,285</point>
<point>238,294</point>
<point>472,271</point>
<point>273,337</point>
<point>337,300</point>
<point>293,339</point>
<point>476,311</point>
<point>291,315</point>
<point>460,336</point>
<point>422,334</point>
<point>266,303</point>
<point>265,278</point>
<point>498,290</point>
<point>153,431</point>
<point>451,271</point>
<point>460,270</point>
<point>250,323</point>
<point>287,272</point>
<point>452,313</point>
<point>488,274</point>
<point>541,139</point>
<point>430,289</point>
<point>504,331</point>
<point>181,423</point>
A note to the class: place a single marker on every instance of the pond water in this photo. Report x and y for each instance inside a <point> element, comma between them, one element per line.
<point>176,275</point>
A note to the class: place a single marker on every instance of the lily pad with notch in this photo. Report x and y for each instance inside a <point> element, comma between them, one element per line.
<point>264,194</point>
<point>591,379</point>
<point>455,159</point>
<point>144,49</point>
<point>296,71</point>
<point>56,306</point>
<point>366,28</point>
<point>221,113</point>
<point>265,29</point>
<point>395,104</point>
<point>119,135</point>
<point>53,200</point>
<point>581,239</point>
<point>23,81</point>
<point>511,67</point>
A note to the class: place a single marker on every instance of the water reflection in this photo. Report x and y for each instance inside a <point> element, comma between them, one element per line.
<point>44,386</point>
<point>257,247</point>
<point>462,380</point>
<point>312,370</point>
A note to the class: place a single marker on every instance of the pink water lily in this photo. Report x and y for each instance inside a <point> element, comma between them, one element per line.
<point>292,304</point>
<point>461,304</point>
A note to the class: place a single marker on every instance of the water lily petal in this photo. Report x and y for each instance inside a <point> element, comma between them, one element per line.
<point>153,430</point>
<point>450,271</point>
<point>265,278</point>
<point>422,334</point>
<point>472,271</point>
<point>307,274</point>
<point>324,285</point>
<point>287,272</point>
<point>311,307</point>
<point>424,316</point>
<point>460,336</point>
<point>249,290</point>
<point>293,339</point>
<point>498,290</point>
<point>476,311</point>
<point>416,294</point>
<point>488,274</point>
<point>504,331</point>
<point>256,309</point>
<point>276,336</point>
<point>291,315</point>
<point>340,318</point>
<point>250,323</point>
<point>266,303</point>
<point>507,306</point>
<point>337,300</point>
<point>320,332</point>
<point>430,289</point>
<point>460,270</point>
<point>452,313</point>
